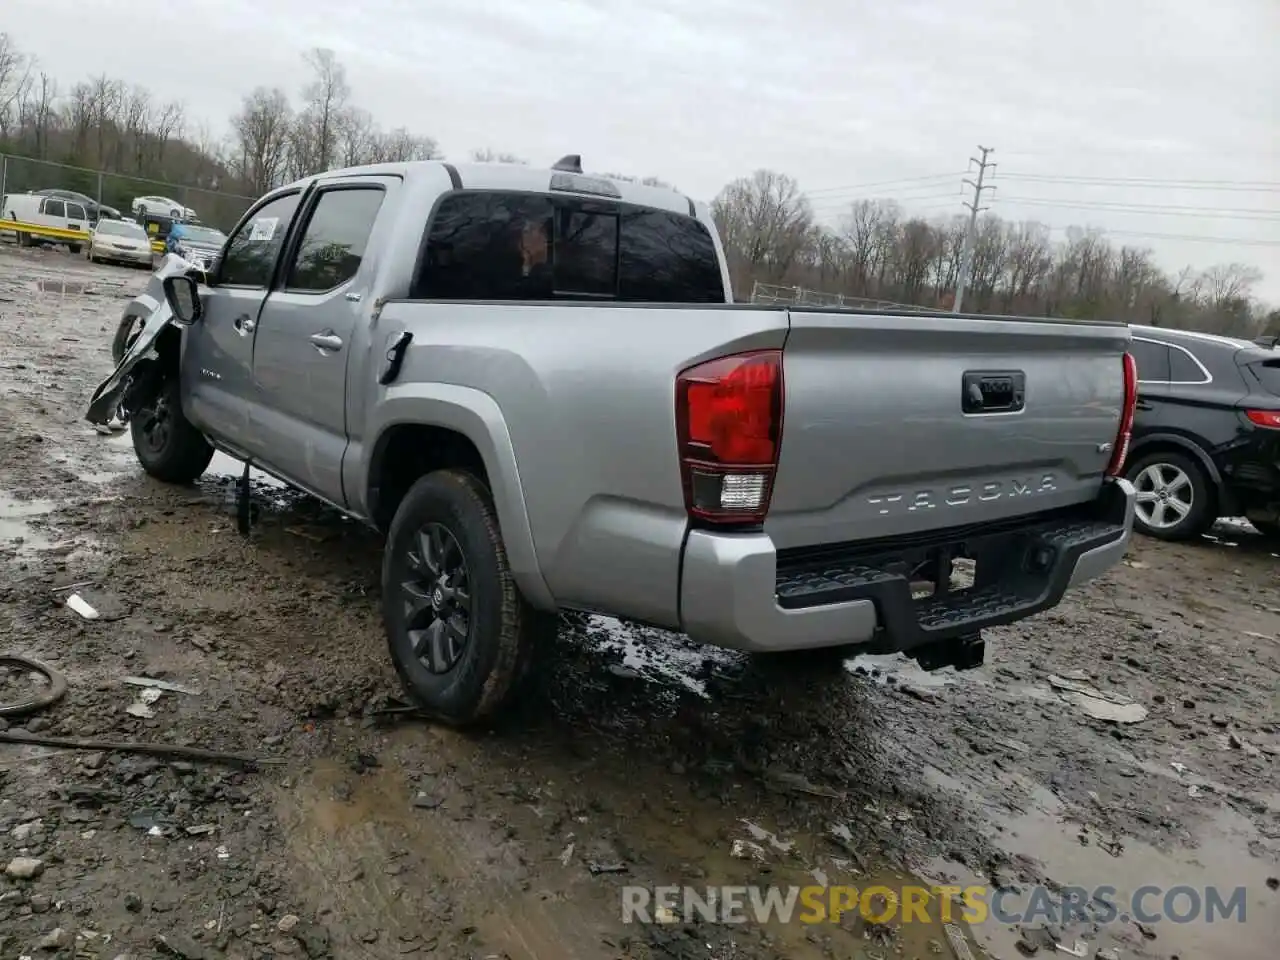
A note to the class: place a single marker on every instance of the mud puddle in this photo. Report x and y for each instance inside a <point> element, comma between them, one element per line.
<point>16,529</point>
<point>1130,896</point>
<point>401,843</point>
<point>59,287</point>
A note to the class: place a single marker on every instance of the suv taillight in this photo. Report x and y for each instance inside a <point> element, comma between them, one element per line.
<point>1264,418</point>
<point>729,429</point>
<point>1125,433</point>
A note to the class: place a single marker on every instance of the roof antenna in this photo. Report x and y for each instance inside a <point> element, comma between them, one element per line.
<point>570,163</point>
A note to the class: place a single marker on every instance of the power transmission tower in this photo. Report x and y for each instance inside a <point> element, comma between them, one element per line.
<point>966,252</point>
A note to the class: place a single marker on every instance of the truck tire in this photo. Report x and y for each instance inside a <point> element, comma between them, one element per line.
<point>129,328</point>
<point>168,446</point>
<point>460,634</point>
<point>1175,499</point>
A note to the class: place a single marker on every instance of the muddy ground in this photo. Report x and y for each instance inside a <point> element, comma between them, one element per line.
<point>636,758</point>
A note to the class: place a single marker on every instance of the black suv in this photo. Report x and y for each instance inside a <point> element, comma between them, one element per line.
<point>1206,433</point>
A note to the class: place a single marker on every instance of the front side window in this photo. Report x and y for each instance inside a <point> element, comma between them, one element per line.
<point>252,251</point>
<point>75,211</point>
<point>334,241</point>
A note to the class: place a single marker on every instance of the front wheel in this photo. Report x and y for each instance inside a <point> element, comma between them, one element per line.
<point>74,248</point>
<point>1174,499</point>
<point>168,446</point>
<point>460,634</point>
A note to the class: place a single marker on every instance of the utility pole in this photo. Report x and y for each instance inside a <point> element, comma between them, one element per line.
<point>966,252</point>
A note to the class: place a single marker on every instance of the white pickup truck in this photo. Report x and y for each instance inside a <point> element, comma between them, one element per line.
<point>535,383</point>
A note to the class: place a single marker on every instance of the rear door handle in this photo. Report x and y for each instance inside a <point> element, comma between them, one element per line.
<point>326,342</point>
<point>244,324</point>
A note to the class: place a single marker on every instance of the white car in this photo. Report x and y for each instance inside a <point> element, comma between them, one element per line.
<point>161,207</point>
<point>119,241</point>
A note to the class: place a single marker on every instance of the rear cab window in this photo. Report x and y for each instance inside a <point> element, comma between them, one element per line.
<point>489,245</point>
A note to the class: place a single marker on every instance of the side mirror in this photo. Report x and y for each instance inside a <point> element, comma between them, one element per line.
<point>184,299</point>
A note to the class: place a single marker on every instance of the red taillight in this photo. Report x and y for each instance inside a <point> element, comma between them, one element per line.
<point>1125,433</point>
<point>1264,418</point>
<point>729,427</point>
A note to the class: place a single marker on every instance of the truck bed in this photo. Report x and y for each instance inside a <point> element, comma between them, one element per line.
<point>875,440</point>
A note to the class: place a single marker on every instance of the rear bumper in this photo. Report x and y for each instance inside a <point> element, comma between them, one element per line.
<point>736,591</point>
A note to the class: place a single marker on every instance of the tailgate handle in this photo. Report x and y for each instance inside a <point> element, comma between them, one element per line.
<point>993,391</point>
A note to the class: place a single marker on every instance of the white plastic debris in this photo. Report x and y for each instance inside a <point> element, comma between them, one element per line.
<point>142,706</point>
<point>959,946</point>
<point>1097,703</point>
<point>82,607</point>
<point>159,685</point>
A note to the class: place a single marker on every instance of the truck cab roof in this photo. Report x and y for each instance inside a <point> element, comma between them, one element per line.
<point>516,177</point>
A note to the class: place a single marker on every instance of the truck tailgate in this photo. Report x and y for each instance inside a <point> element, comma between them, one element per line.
<point>901,424</point>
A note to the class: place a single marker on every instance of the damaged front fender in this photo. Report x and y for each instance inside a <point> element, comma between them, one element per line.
<point>138,378</point>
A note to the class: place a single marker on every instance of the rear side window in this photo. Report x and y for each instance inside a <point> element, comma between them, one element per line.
<point>496,246</point>
<point>1183,369</point>
<point>334,241</point>
<point>1152,359</point>
<point>55,208</point>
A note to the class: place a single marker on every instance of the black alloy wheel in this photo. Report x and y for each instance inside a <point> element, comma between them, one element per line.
<point>154,425</point>
<point>437,598</point>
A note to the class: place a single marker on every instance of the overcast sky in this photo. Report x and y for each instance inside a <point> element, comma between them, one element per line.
<point>841,94</point>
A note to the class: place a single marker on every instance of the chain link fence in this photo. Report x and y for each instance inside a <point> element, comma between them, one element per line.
<point>215,207</point>
<point>778,295</point>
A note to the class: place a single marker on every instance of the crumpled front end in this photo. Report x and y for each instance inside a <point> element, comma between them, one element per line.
<point>131,384</point>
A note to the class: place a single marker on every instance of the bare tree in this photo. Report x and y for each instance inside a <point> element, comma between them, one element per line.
<point>1229,282</point>
<point>400,146</point>
<point>314,145</point>
<point>486,155</point>
<point>261,134</point>
<point>764,222</point>
<point>15,80</point>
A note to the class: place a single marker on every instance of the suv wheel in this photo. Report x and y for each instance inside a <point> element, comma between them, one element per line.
<point>1173,496</point>
<point>460,634</point>
<point>168,446</point>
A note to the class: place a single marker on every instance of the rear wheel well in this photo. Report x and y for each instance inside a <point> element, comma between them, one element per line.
<point>409,451</point>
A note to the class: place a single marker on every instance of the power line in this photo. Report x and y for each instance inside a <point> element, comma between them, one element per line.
<point>885,183</point>
<point>845,204</point>
<point>966,252</point>
<point>1188,238</point>
<point>1159,210</point>
<point>1242,186</point>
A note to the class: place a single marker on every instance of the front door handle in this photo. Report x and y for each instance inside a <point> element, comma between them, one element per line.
<point>326,342</point>
<point>244,324</point>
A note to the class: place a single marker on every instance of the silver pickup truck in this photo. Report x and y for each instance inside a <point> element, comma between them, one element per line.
<point>536,384</point>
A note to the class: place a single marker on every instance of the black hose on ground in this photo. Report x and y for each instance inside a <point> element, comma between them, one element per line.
<point>56,690</point>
